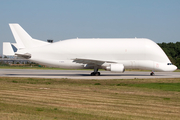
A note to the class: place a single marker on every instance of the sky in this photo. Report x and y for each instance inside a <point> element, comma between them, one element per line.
<point>158,20</point>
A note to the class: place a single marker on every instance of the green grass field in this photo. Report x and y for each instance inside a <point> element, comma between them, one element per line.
<point>61,99</point>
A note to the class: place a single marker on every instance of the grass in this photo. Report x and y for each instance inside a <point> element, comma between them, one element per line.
<point>178,70</point>
<point>160,86</point>
<point>44,99</point>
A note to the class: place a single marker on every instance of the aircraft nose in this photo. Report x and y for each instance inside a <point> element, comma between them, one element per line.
<point>174,67</point>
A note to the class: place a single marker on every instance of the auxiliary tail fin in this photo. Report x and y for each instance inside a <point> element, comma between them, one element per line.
<point>23,39</point>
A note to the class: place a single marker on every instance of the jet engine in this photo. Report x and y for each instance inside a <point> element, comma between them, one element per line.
<point>115,68</point>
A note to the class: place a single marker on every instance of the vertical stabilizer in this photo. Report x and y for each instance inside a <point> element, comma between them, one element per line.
<point>23,39</point>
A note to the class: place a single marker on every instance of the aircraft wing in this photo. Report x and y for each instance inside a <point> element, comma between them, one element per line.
<point>91,61</point>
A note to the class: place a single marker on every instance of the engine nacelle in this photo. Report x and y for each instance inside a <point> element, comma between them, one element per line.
<point>115,68</point>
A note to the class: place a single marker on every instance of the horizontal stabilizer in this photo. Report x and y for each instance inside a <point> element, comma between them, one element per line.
<point>26,55</point>
<point>9,49</point>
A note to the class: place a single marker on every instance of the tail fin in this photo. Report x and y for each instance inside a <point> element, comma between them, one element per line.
<point>23,39</point>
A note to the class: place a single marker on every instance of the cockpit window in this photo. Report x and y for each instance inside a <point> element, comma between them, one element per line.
<point>169,64</point>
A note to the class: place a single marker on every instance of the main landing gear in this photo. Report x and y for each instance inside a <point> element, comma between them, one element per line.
<point>152,73</point>
<point>95,73</point>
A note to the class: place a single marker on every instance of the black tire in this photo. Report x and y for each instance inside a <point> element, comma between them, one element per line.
<point>99,73</point>
<point>96,74</point>
<point>92,74</point>
<point>152,74</point>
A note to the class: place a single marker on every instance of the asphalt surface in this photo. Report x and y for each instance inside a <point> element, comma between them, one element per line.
<point>84,74</point>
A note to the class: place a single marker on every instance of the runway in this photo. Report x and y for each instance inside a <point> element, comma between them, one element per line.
<point>84,74</point>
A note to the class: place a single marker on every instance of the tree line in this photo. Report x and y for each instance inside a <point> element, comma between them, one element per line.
<point>172,50</point>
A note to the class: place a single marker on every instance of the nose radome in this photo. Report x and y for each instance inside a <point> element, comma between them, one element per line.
<point>174,67</point>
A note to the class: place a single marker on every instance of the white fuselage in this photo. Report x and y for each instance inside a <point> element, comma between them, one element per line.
<point>132,53</point>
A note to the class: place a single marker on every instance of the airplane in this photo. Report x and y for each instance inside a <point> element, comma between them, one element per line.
<point>111,54</point>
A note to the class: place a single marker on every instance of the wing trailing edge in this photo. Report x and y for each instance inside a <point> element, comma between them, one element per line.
<point>91,61</point>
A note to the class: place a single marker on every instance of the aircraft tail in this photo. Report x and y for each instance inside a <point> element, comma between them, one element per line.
<point>23,39</point>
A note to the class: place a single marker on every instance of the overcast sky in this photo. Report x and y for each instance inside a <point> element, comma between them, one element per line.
<point>158,20</point>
